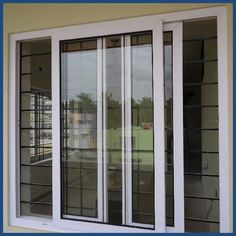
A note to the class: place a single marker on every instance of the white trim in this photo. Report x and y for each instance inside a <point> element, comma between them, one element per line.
<point>223,113</point>
<point>178,126</point>
<point>159,131</point>
<point>128,25</point>
<point>99,131</point>
<point>12,131</point>
<point>106,28</point>
<point>178,154</point>
<point>128,130</point>
<point>105,166</point>
<point>56,143</point>
<point>123,159</point>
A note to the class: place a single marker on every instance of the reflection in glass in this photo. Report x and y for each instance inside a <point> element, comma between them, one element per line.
<point>79,128</point>
<point>169,146</point>
<point>142,129</point>
<point>201,161</point>
<point>35,128</point>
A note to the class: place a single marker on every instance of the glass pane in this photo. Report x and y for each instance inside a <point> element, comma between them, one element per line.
<point>35,128</point>
<point>169,145</point>
<point>142,129</point>
<point>79,127</point>
<point>113,120</point>
<point>201,161</point>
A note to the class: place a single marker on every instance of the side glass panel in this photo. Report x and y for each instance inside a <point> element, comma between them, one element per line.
<point>35,129</point>
<point>201,125</point>
<point>113,126</point>
<point>142,129</point>
<point>169,144</point>
<point>79,128</point>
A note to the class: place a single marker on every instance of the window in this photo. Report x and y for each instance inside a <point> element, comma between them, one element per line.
<point>122,128</point>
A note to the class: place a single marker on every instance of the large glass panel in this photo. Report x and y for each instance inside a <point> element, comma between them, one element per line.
<point>79,128</point>
<point>142,129</point>
<point>201,161</point>
<point>113,124</point>
<point>93,82</point>
<point>35,128</point>
<point>169,144</point>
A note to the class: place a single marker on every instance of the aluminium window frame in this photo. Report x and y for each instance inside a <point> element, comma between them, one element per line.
<point>156,24</point>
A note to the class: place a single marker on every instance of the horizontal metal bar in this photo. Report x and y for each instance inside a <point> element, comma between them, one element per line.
<point>36,54</point>
<point>199,61</point>
<point>194,151</point>
<point>201,106</point>
<point>37,110</point>
<point>202,220</point>
<point>199,174</point>
<point>200,129</point>
<point>199,84</point>
<point>35,92</point>
<point>195,219</point>
<point>35,147</point>
<point>36,128</point>
<point>78,187</point>
<point>30,73</point>
<point>30,165</point>
<point>37,203</point>
<point>37,184</point>
<point>199,39</point>
<point>202,197</point>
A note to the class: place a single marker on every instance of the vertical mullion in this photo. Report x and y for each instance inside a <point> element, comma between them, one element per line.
<point>128,144</point>
<point>100,202</point>
<point>105,182</point>
<point>178,127</point>
<point>56,151</point>
<point>159,131</point>
<point>124,187</point>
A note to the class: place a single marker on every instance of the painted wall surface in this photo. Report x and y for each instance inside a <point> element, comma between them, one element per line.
<point>28,17</point>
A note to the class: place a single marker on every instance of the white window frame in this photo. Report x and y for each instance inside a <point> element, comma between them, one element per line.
<point>156,23</point>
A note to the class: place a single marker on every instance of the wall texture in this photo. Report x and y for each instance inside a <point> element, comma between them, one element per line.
<point>27,17</point>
